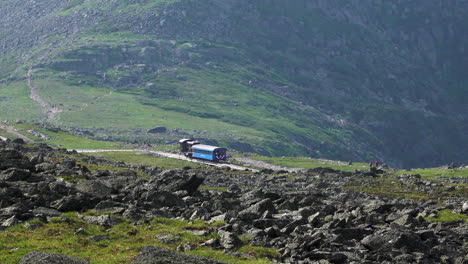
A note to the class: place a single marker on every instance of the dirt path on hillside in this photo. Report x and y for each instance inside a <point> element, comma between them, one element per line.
<point>50,110</point>
<point>13,131</point>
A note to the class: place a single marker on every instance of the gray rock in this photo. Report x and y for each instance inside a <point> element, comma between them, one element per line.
<point>346,234</point>
<point>256,210</point>
<point>159,199</point>
<point>168,238</point>
<point>172,182</point>
<point>102,220</point>
<point>465,207</point>
<point>99,238</point>
<point>133,213</point>
<point>45,166</point>
<point>15,174</point>
<point>13,210</point>
<point>12,221</point>
<point>155,255</point>
<point>229,240</point>
<point>11,158</point>
<point>234,188</point>
<point>393,239</point>
<point>35,257</point>
<point>93,187</point>
<point>72,203</point>
<point>68,164</point>
<point>37,159</point>
<point>406,220</point>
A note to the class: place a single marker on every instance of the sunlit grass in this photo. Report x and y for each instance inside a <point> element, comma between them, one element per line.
<point>438,172</point>
<point>63,139</point>
<point>137,158</point>
<point>125,240</point>
<point>447,216</point>
<point>309,163</point>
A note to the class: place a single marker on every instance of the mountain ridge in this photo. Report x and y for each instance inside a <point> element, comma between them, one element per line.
<point>333,79</point>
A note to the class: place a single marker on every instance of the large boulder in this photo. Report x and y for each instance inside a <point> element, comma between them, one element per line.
<point>15,174</point>
<point>94,188</point>
<point>45,167</point>
<point>74,203</point>
<point>155,255</point>
<point>14,210</point>
<point>11,158</point>
<point>172,182</point>
<point>387,240</point>
<point>118,182</point>
<point>157,199</point>
<point>47,212</point>
<point>102,220</point>
<point>229,240</point>
<point>68,164</point>
<point>257,210</point>
<point>35,257</point>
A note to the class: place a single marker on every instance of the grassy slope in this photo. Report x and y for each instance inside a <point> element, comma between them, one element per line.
<point>309,163</point>
<point>15,103</point>
<point>216,86</point>
<point>218,91</point>
<point>62,139</point>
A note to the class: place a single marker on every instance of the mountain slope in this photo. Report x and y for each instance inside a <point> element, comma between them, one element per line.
<point>335,79</point>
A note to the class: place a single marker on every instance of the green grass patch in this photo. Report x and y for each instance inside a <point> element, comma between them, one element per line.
<point>260,252</point>
<point>309,163</point>
<point>212,188</point>
<point>63,139</point>
<point>125,239</point>
<point>391,186</point>
<point>138,158</point>
<point>172,147</point>
<point>15,103</point>
<point>438,172</point>
<point>447,216</point>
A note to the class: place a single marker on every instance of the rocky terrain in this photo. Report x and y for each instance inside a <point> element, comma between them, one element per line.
<point>306,217</point>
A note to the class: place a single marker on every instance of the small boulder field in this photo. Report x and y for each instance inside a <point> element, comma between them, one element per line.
<point>58,206</point>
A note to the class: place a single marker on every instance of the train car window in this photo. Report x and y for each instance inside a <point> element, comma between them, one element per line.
<point>202,151</point>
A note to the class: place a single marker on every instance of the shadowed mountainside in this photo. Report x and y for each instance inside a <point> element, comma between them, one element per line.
<point>348,80</point>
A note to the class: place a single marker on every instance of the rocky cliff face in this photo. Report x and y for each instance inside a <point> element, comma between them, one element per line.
<point>388,75</point>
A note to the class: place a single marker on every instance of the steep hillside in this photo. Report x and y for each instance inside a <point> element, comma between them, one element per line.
<point>337,79</point>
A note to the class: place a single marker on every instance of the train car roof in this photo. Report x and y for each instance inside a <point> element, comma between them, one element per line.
<point>206,147</point>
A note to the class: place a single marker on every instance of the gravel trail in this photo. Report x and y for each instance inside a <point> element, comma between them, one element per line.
<point>50,110</point>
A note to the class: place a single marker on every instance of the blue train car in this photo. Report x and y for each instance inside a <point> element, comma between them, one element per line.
<point>207,152</point>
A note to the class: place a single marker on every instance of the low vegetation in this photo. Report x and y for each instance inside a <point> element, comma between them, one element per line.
<point>438,172</point>
<point>60,138</point>
<point>447,216</point>
<point>309,163</point>
<point>70,235</point>
<point>146,159</point>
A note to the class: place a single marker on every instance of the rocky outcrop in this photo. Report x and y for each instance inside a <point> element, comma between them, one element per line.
<point>306,217</point>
